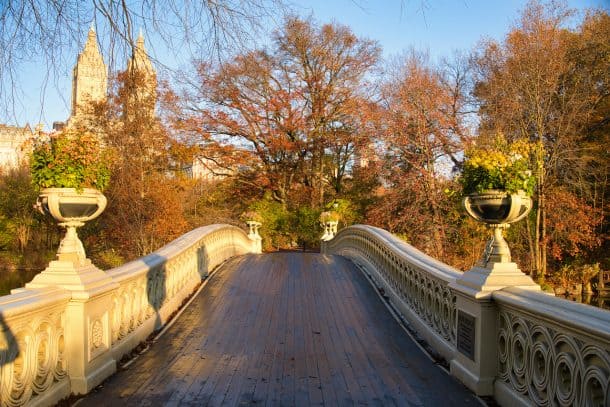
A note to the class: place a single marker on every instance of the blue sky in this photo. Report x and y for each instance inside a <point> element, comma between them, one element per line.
<point>438,26</point>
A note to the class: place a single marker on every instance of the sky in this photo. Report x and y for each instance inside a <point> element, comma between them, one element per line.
<point>439,27</point>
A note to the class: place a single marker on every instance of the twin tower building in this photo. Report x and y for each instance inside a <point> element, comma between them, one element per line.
<point>90,76</point>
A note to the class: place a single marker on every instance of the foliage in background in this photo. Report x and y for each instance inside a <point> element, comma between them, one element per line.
<point>575,276</point>
<point>305,227</point>
<point>28,240</point>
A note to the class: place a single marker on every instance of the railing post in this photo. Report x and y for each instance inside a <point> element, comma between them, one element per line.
<point>87,334</point>
<point>476,357</point>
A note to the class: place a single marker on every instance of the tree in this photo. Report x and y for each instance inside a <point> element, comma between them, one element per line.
<point>17,196</point>
<point>418,127</point>
<point>145,197</point>
<point>328,65</point>
<point>532,87</point>
<point>51,30</point>
<point>253,104</point>
<point>292,106</point>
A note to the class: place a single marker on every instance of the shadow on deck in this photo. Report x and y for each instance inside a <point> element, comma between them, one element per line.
<point>287,329</point>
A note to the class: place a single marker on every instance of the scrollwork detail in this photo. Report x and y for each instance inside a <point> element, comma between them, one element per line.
<point>550,366</point>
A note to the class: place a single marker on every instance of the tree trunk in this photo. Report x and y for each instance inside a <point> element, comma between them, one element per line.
<point>531,245</point>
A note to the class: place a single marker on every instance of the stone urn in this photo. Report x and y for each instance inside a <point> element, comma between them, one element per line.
<point>330,229</point>
<point>498,209</point>
<point>253,227</point>
<point>71,208</point>
<point>329,221</point>
<point>72,269</point>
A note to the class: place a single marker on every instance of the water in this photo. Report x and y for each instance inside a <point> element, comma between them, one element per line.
<point>589,299</point>
<point>15,279</point>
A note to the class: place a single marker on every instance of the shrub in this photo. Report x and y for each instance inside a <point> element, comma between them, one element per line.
<point>70,159</point>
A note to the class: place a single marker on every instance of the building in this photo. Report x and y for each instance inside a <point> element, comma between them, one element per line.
<point>89,79</point>
<point>89,86</point>
<point>140,66</point>
<point>207,169</point>
<point>15,145</point>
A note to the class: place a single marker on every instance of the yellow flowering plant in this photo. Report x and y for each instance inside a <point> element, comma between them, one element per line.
<point>503,166</point>
<point>250,216</point>
<point>329,216</point>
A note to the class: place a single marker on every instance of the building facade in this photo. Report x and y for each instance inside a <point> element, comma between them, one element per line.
<point>15,146</point>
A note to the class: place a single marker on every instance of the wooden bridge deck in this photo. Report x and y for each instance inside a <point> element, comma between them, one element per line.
<point>287,329</point>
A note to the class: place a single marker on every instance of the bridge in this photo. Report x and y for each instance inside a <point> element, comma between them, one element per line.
<point>207,319</point>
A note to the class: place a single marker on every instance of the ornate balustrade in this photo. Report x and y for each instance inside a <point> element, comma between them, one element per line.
<point>33,346</point>
<point>551,351</point>
<point>38,326</point>
<point>417,284</point>
<point>526,347</point>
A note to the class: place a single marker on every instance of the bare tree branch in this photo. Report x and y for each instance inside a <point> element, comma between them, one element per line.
<point>50,32</point>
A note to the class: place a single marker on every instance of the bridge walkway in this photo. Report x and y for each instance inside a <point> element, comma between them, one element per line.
<point>290,329</point>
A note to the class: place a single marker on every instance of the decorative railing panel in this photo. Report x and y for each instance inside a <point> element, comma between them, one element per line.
<point>32,345</point>
<point>552,351</point>
<point>144,293</point>
<point>419,283</point>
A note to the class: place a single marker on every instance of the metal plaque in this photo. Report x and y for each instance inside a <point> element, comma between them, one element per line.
<point>466,333</point>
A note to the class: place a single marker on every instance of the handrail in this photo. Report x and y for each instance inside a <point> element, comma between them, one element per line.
<point>37,325</point>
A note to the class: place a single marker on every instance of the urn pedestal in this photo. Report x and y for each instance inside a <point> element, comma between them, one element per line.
<point>72,269</point>
<point>495,270</point>
<point>477,313</point>
<point>330,229</point>
<point>253,227</point>
<point>88,337</point>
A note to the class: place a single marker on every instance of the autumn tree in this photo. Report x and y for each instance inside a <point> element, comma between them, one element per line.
<point>531,86</point>
<point>250,102</point>
<point>145,198</point>
<point>292,105</point>
<point>422,133</point>
<point>327,65</point>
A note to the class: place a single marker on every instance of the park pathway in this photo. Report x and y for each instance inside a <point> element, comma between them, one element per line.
<point>289,329</point>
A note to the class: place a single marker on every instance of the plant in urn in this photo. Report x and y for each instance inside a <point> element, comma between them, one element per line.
<point>498,185</point>
<point>71,170</point>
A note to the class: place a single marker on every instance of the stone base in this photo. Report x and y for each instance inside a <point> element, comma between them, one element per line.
<point>257,245</point>
<point>479,386</point>
<point>480,282</point>
<point>83,385</point>
<point>84,277</point>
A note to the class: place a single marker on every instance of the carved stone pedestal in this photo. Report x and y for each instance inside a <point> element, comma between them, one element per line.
<point>475,362</point>
<point>253,227</point>
<point>87,333</point>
